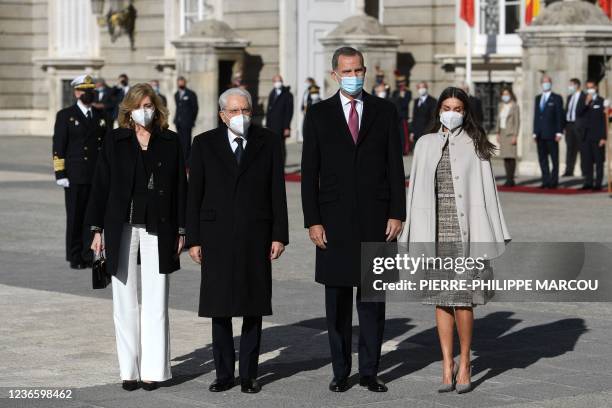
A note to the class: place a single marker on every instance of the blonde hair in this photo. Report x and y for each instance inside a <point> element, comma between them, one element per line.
<point>132,100</point>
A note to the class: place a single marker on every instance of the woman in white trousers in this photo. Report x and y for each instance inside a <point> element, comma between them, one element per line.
<point>138,203</point>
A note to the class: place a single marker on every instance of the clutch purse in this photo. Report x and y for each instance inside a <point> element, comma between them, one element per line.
<point>99,277</point>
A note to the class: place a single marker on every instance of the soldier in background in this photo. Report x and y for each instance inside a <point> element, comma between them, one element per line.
<point>77,138</point>
<point>401,98</point>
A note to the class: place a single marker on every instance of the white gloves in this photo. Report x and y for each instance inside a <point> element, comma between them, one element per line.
<point>63,182</point>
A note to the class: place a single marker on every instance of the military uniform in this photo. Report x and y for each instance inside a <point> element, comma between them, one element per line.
<point>77,140</point>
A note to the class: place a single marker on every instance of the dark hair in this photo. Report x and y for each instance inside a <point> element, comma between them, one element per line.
<point>484,148</point>
<point>347,52</point>
<point>592,81</point>
<point>181,78</point>
<point>509,90</point>
<point>575,80</point>
<point>123,76</point>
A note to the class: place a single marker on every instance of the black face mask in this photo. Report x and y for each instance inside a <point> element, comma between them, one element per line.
<point>181,86</point>
<point>87,98</point>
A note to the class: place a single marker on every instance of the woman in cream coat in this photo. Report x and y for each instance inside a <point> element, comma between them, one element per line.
<point>507,130</point>
<point>452,199</point>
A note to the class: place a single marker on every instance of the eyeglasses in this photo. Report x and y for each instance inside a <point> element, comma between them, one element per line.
<point>245,111</point>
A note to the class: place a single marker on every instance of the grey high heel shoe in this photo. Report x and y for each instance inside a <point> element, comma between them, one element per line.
<point>463,388</point>
<point>450,387</point>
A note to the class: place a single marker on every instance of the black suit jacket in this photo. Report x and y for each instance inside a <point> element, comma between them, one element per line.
<point>351,189</point>
<point>186,109</point>
<point>106,98</point>
<point>235,212</point>
<point>592,118</point>
<point>549,121</point>
<point>111,193</point>
<point>422,116</point>
<point>280,110</point>
<point>76,143</point>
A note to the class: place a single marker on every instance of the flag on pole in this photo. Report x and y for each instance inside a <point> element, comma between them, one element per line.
<point>533,9</point>
<point>606,6</point>
<point>467,12</point>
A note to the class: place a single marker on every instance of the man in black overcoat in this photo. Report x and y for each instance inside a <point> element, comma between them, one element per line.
<point>78,136</point>
<point>422,112</point>
<point>187,108</point>
<point>280,111</point>
<point>592,113</point>
<point>353,191</point>
<point>236,225</point>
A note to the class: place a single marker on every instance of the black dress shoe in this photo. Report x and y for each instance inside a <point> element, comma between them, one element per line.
<point>221,385</point>
<point>130,385</point>
<point>373,382</point>
<point>77,265</point>
<point>586,187</point>
<point>250,386</point>
<point>340,385</point>
<point>150,386</point>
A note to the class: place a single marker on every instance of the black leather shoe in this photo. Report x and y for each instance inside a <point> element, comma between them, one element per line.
<point>250,386</point>
<point>221,385</point>
<point>150,386</point>
<point>130,385</point>
<point>340,385</point>
<point>373,382</point>
<point>77,265</point>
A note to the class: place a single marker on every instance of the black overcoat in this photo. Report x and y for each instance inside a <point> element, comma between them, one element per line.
<point>280,111</point>
<point>111,193</point>
<point>234,212</point>
<point>351,189</point>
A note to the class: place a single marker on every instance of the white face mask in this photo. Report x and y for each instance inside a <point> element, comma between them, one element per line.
<point>506,98</point>
<point>315,97</point>
<point>546,86</point>
<point>239,124</point>
<point>422,91</point>
<point>143,116</point>
<point>571,89</point>
<point>382,94</point>
<point>591,91</point>
<point>451,119</point>
<point>278,85</point>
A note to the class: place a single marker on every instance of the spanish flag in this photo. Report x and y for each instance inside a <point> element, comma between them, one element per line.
<point>466,12</point>
<point>533,9</point>
<point>606,6</point>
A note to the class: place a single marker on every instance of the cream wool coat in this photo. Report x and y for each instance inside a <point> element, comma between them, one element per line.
<point>479,211</point>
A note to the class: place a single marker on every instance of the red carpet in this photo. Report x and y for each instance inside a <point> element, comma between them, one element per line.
<point>296,178</point>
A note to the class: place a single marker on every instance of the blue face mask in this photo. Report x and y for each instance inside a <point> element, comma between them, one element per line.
<point>352,85</point>
<point>546,86</point>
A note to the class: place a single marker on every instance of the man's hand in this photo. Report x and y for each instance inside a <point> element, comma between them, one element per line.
<point>63,182</point>
<point>602,142</point>
<point>96,244</point>
<point>287,132</point>
<point>394,227</point>
<point>180,243</point>
<point>412,138</point>
<point>558,137</point>
<point>588,98</point>
<point>195,252</point>
<point>317,235</point>
<point>276,250</point>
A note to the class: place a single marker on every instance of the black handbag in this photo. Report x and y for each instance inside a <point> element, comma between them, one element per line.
<point>99,277</point>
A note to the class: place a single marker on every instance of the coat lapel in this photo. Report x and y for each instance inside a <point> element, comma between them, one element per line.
<point>369,114</point>
<point>82,118</point>
<point>338,111</point>
<point>223,149</point>
<point>254,144</point>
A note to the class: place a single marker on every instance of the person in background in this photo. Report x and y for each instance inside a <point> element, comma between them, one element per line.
<point>119,91</point>
<point>422,112</point>
<point>573,132</point>
<point>507,129</point>
<point>453,207</point>
<point>104,98</point>
<point>280,111</point>
<point>380,91</point>
<point>186,114</point>
<point>78,135</point>
<point>307,98</point>
<point>475,103</point>
<point>591,111</point>
<point>379,79</point>
<point>155,85</point>
<point>548,120</point>
<point>138,200</point>
<point>237,225</point>
<point>401,98</point>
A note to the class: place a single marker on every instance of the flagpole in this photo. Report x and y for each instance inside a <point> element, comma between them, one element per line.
<point>468,57</point>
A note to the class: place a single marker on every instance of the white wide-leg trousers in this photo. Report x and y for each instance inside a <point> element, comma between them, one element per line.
<point>143,339</point>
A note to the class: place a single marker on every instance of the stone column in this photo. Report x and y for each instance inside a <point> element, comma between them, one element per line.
<point>367,35</point>
<point>557,43</point>
<point>198,53</point>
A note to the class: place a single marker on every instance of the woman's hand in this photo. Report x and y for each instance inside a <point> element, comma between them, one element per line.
<point>276,249</point>
<point>96,245</point>
<point>195,252</point>
<point>180,243</point>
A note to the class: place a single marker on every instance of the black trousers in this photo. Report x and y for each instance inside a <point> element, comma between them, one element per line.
<point>510,166</point>
<point>572,142</point>
<point>339,312</point>
<point>184,134</point>
<point>549,149</point>
<point>223,347</point>
<point>78,235</point>
<point>592,155</point>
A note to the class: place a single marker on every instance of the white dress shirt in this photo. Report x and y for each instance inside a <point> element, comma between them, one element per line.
<point>231,137</point>
<point>571,108</point>
<point>346,106</point>
<point>84,108</point>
